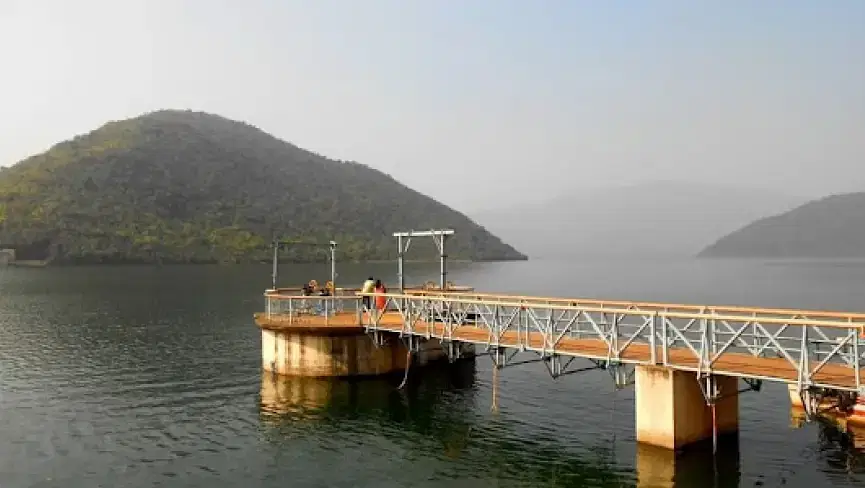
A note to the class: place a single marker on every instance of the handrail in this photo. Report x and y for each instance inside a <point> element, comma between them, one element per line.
<point>707,312</point>
<point>275,296</point>
<point>412,289</point>
<point>299,288</point>
<point>465,299</point>
<point>812,352</point>
<point>651,305</point>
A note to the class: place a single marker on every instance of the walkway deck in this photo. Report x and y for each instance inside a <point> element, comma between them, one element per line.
<point>730,364</point>
<point>801,347</point>
<point>339,323</point>
<point>807,348</point>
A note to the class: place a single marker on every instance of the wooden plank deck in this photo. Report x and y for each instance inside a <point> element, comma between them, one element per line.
<point>342,323</point>
<point>731,363</point>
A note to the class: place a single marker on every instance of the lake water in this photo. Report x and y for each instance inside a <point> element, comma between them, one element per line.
<point>146,376</point>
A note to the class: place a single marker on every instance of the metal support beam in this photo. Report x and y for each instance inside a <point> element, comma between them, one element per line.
<point>278,243</point>
<point>401,261</point>
<point>438,236</point>
<point>275,262</point>
<point>333,264</point>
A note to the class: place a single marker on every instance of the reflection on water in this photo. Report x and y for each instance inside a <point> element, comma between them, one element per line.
<point>698,466</point>
<point>289,398</point>
<point>841,445</point>
<point>439,404</point>
<point>438,419</point>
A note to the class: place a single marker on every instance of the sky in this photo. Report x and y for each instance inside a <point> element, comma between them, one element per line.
<point>478,103</point>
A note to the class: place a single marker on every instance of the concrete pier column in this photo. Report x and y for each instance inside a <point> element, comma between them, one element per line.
<point>671,411</point>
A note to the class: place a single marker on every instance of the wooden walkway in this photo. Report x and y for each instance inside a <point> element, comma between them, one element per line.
<point>732,364</point>
<point>809,348</point>
<point>341,323</point>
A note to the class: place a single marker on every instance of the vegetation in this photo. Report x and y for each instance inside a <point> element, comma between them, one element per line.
<point>181,186</point>
<point>831,227</point>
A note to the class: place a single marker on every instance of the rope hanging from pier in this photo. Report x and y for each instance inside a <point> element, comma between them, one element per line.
<point>613,411</point>
<point>407,366</point>
<point>714,431</point>
<point>495,404</point>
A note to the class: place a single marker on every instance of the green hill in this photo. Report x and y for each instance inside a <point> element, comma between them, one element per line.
<point>831,227</point>
<point>182,186</point>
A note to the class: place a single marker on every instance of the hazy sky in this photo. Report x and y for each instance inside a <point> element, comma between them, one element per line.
<point>471,101</point>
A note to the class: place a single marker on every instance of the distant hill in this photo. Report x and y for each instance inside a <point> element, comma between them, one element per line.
<point>658,219</point>
<point>182,186</point>
<point>831,227</point>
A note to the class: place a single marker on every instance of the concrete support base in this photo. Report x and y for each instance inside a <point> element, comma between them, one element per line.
<point>671,411</point>
<point>291,353</point>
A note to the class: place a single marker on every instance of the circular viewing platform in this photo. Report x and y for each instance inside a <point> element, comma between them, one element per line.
<point>324,336</point>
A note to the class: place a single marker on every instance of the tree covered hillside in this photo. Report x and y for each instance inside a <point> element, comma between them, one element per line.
<point>181,186</point>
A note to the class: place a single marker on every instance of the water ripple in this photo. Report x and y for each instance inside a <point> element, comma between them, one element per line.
<point>130,380</point>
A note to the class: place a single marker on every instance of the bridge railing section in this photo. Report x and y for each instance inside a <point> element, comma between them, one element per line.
<point>289,306</point>
<point>704,339</point>
<point>659,306</point>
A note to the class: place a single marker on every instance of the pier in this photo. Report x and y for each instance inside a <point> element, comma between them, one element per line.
<point>318,335</point>
<point>688,363</point>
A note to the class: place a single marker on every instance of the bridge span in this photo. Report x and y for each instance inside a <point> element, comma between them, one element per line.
<point>685,360</point>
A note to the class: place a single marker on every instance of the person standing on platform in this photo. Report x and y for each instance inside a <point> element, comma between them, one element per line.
<point>380,301</point>
<point>368,287</point>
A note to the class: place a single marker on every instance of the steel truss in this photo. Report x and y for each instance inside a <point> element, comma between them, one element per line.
<point>558,365</point>
<point>815,351</point>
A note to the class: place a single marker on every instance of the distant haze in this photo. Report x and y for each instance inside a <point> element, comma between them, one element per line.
<point>662,219</point>
<point>481,104</point>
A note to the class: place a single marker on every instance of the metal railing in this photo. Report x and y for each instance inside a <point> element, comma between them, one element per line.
<point>288,306</point>
<point>806,348</point>
<point>660,306</point>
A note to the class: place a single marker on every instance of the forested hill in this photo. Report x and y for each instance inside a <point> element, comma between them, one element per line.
<point>831,227</point>
<point>182,186</point>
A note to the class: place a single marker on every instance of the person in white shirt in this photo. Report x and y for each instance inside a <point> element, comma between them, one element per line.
<point>368,287</point>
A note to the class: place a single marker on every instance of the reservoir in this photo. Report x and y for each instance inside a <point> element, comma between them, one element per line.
<point>151,376</point>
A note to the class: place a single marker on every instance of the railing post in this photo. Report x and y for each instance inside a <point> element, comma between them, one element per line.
<point>856,373</point>
<point>652,343</point>
<point>496,324</point>
<point>713,348</point>
<point>804,365</point>
<point>665,346</point>
<point>755,332</point>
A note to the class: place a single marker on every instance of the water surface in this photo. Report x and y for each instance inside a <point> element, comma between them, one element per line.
<point>146,376</point>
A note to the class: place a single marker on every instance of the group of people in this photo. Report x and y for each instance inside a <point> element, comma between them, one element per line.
<point>373,286</point>
<point>320,306</point>
<point>311,289</point>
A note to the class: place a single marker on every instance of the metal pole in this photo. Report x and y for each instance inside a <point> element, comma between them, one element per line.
<point>275,255</point>
<point>443,258</point>
<point>856,372</point>
<point>333,264</point>
<point>399,261</point>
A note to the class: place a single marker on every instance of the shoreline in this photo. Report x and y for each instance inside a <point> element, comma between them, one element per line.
<point>31,264</point>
